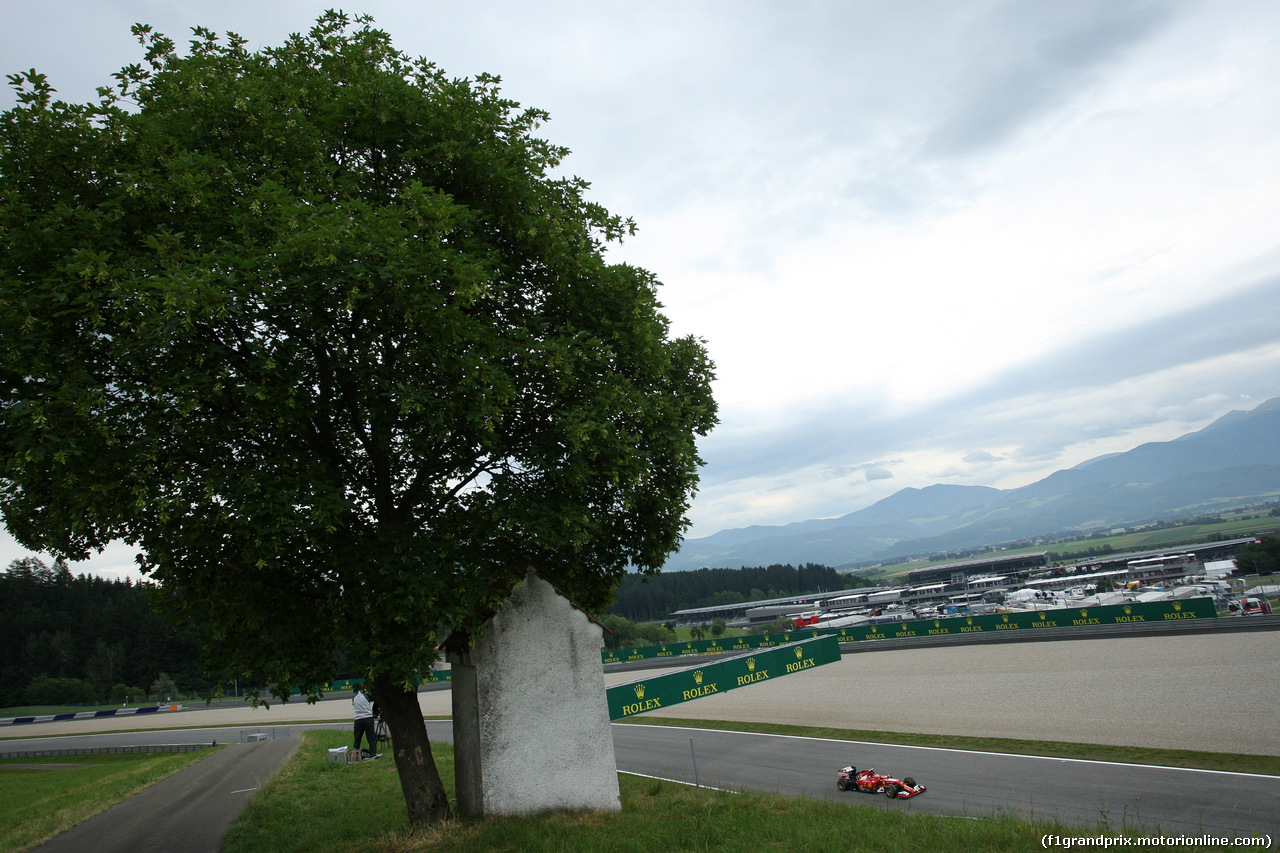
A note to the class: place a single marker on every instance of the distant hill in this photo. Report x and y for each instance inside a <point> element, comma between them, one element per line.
<point>1235,460</point>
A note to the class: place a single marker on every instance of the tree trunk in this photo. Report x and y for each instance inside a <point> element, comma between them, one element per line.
<point>424,793</point>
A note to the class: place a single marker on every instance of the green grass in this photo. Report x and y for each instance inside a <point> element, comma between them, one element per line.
<point>318,807</point>
<point>662,816</point>
<point>38,804</point>
<point>315,805</point>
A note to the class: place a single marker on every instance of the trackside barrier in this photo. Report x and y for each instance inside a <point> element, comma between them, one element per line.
<point>88,715</point>
<point>1112,614</point>
<point>345,684</point>
<point>663,691</point>
<point>108,750</point>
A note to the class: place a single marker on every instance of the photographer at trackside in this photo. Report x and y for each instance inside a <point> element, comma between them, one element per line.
<point>364,724</point>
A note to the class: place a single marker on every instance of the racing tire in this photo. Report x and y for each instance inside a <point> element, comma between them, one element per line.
<point>891,791</point>
<point>842,785</point>
<point>909,782</point>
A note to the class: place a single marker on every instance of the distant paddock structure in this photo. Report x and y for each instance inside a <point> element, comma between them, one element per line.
<point>964,582</point>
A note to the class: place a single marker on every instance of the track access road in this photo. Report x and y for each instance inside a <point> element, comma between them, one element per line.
<point>189,811</point>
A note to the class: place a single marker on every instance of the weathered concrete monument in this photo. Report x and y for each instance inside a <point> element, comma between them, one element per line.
<point>530,717</point>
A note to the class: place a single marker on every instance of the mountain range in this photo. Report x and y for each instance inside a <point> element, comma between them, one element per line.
<point>1234,461</point>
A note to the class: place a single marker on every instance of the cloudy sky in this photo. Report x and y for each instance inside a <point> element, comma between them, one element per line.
<point>961,242</point>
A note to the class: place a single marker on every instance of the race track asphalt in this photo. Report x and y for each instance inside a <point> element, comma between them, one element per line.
<point>1148,800</point>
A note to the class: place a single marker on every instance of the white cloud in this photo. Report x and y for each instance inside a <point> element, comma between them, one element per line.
<point>116,562</point>
<point>966,242</point>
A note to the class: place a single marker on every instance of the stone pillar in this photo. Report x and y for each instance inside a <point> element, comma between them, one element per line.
<point>530,717</point>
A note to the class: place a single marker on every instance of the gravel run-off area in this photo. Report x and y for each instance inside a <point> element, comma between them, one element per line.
<point>1212,692</point>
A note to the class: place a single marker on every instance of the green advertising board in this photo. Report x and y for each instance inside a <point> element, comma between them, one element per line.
<point>662,691</point>
<point>345,684</point>
<point>1030,620</point>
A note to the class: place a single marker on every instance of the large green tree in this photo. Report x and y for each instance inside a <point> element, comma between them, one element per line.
<point>323,333</point>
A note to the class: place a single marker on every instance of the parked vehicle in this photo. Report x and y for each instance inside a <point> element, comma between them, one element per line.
<point>870,782</point>
<point>805,620</point>
<point>1249,606</point>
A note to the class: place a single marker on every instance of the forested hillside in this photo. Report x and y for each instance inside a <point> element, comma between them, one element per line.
<point>83,639</point>
<point>642,599</point>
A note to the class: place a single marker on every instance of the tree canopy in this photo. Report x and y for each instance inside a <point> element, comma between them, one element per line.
<point>320,330</point>
<point>1261,558</point>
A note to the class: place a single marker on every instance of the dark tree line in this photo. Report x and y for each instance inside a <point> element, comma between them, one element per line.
<point>66,639</point>
<point>645,599</point>
<point>1260,559</point>
<point>83,638</point>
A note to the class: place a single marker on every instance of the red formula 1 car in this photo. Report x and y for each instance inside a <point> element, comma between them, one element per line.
<point>871,782</point>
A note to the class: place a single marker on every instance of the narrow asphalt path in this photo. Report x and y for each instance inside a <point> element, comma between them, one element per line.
<point>199,805</point>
